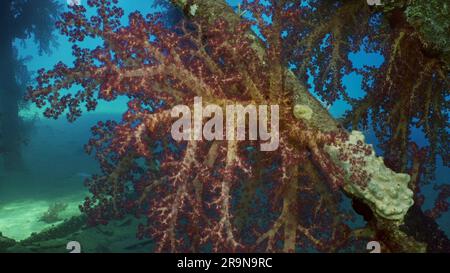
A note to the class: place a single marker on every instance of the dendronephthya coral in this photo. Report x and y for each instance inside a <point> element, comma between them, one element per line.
<point>386,192</point>
<point>210,200</point>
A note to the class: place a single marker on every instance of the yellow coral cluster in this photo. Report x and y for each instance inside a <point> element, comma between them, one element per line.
<point>387,192</point>
<point>302,111</point>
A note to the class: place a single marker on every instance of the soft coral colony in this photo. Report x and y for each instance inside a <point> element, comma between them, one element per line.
<point>229,195</point>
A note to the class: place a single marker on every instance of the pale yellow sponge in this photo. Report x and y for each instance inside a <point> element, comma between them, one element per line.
<point>386,192</point>
<point>302,111</point>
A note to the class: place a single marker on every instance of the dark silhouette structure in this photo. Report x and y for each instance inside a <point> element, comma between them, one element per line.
<point>19,19</point>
